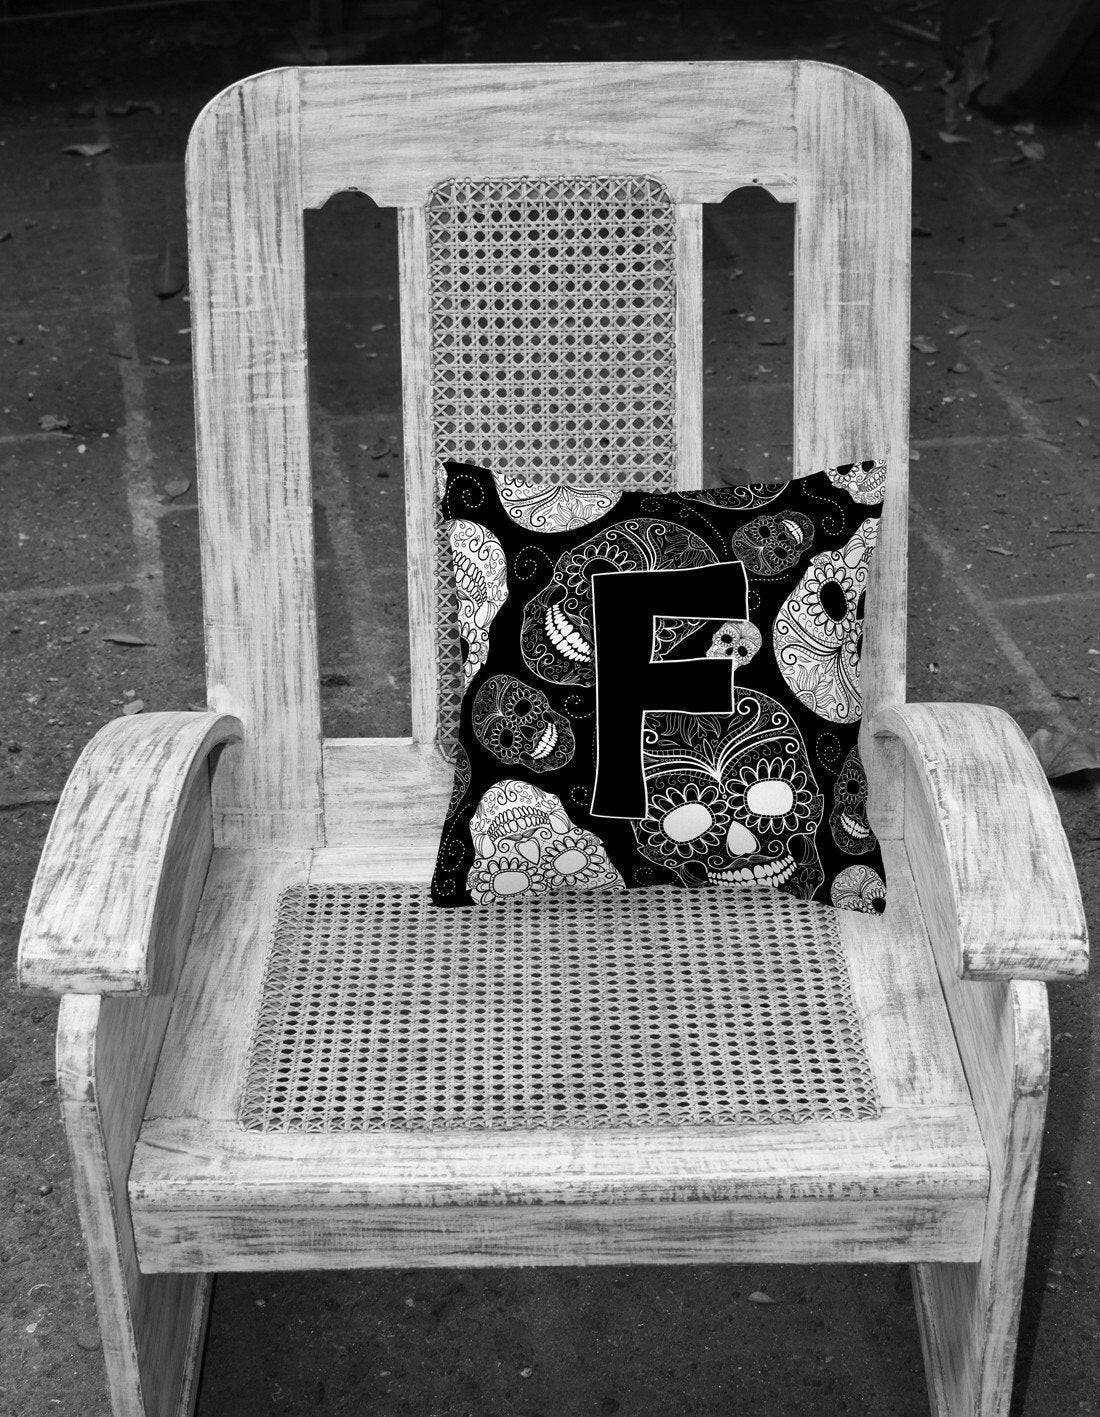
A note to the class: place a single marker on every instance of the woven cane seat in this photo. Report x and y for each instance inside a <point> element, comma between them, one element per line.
<point>583,1009</point>
<point>345,1062</point>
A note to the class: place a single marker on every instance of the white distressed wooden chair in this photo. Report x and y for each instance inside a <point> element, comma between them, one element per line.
<point>208,1133</point>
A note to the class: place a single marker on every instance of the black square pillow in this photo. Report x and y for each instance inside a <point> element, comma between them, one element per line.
<point>661,687</point>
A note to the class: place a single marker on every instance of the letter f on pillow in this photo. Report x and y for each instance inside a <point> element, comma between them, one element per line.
<point>666,641</point>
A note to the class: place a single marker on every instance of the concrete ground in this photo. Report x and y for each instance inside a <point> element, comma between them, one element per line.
<point>100,536</point>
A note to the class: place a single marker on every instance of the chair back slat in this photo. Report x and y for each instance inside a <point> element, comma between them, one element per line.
<point>852,259</point>
<point>398,131</point>
<point>248,320</point>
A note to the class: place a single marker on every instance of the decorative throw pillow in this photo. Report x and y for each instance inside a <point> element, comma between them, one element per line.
<point>661,687</point>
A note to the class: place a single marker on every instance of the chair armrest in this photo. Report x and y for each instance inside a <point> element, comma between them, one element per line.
<point>990,858</point>
<point>91,914</point>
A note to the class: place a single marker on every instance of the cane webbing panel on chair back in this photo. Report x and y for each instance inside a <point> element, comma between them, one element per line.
<point>552,305</point>
<point>662,1007</point>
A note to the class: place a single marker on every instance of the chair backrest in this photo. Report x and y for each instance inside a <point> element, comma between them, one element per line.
<point>571,354</point>
<point>552,334</point>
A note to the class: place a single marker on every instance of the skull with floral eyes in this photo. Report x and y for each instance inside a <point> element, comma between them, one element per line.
<point>770,545</point>
<point>731,798</point>
<point>848,820</point>
<point>736,640</point>
<point>682,637</point>
<point>525,843</point>
<point>515,722</point>
<point>859,888</point>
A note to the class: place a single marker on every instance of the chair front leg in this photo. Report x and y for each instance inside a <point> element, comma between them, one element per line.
<point>999,896</point>
<point>152,1325</point>
<point>969,1313</point>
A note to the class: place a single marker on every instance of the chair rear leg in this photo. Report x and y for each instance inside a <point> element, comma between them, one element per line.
<point>153,1326</point>
<point>969,1314</point>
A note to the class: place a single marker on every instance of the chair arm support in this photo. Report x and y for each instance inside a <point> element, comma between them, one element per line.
<point>990,858</point>
<point>92,912</point>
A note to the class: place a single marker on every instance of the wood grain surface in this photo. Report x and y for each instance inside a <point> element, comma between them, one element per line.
<point>192,1155</point>
<point>851,351</point>
<point>104,880</point>
<point>969,1313</point>
<point>993,868</point>
<point>159,883</point>
<point>822,136</point>
<point>394,132</point>
<point>998,892</point>
<point>107,1049</point>
<point>340,1237</point>
<point>244,215</point>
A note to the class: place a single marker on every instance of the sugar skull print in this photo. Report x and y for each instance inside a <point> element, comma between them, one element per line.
<point>864,482</point>
<point>541,506</point>
<point>675,637</point>
<point>481,580</point>
<point>744,498</point>
<point>848,820</point>
<point>859,888</point>
<point>526,844</point>
<point>818,632</point>
<point>661,688</point>
<point>737,641</point>
<point>515,722</point>
<point>732,799</point>
<point>772,544</point>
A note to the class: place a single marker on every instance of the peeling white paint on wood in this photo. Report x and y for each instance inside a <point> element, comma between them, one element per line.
<point>107,1049</point>
<point>157,892</point>
<point>997,883</point>
<point>1002,909</point>
<point>103,882</point>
